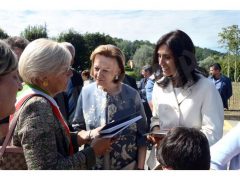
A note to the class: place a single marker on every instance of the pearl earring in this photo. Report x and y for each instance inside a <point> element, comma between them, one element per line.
<point>116,77</point>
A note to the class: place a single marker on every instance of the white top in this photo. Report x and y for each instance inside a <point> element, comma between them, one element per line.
<point>198,106</point>
<point>227,150</point>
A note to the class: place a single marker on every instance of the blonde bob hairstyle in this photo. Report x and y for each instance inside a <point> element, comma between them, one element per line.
<point>41,58</point>
<point>110,51</point>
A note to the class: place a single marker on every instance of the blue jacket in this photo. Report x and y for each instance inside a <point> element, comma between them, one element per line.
<point>224,87</point>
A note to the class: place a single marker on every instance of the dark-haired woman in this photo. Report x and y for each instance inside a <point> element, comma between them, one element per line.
<point>9,85</point>
<point>182,96</point>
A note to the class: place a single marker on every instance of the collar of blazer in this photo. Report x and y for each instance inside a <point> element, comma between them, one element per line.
<point>184,92</point>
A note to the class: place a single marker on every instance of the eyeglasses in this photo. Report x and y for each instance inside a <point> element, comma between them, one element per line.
<point>68,70</point>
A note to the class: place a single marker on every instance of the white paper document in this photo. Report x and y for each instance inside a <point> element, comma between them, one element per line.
<point>115,127</point>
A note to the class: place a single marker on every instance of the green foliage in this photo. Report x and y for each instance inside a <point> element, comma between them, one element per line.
<point>227,63</point>
<point>77,40</point>
<point>209,61</point>
<point>133,74</point>
<point>203,53</point>
<point>35,32</point>
<point>143,56</point>
<point>3,35</point>
<point>84,45</point>
<point>128,68</point>
<point>230,39</point>
<point>93,40</point>
<point>232,63</point>
<point>127,47</point>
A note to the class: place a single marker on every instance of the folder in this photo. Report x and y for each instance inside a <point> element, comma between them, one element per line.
<point>116,126</point>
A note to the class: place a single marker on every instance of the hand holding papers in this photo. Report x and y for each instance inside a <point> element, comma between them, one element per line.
<point>112,129</point>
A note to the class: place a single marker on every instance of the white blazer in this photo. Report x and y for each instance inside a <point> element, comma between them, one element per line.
<point>198,106</point>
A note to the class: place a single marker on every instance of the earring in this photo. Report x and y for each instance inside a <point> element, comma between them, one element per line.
<point>45,83</point>
<point>116,77</point>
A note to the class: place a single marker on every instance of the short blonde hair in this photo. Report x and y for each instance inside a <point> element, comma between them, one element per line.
<point>43,57</point>
<point>8,60</point>
<point>112,52</point>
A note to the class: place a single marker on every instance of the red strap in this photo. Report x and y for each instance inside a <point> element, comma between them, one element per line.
<point>19,104</point>
<point>60,118</point>
<point>56,112</point>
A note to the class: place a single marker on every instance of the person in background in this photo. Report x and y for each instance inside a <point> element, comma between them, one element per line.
<point>149,89</point>
<point>9,85</point>
<point>86,77</point>
<point>179,95</point>
<point>184,149</point>
<point>146,73</point>
<point>225,154</point>
<point>17,44</point>
<point>41,130</point>
<point>129,80</point>
<point>107,100</point>
<point>222,83</point>
<point>67,100</point>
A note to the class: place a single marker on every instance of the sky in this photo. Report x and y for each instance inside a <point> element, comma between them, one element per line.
<point>134,22</point>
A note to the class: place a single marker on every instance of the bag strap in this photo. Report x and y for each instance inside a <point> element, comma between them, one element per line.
<point>11,128</point>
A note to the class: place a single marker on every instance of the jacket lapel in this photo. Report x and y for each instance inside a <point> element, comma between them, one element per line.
<point>170,95</point>
<point>185,92</point>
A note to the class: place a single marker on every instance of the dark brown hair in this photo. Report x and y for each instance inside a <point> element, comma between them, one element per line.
<point>184,149</point>
<point>183,51</point>
<point>18,42</point>
<point>8,60</point>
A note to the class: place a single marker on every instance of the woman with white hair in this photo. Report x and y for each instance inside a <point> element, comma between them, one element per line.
<point>41,130</point>
<point>9,85</point>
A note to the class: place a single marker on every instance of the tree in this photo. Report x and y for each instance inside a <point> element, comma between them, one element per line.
<point>93,40</point>
<point>126,47</point>
<point>230,39</point>
<point>129,48</point>
<point>143,56</point>
<point>77,40</point>
<point>203,53</point>
<point>35,32</point>
<point>209,61</point>
<point>3,35</point>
